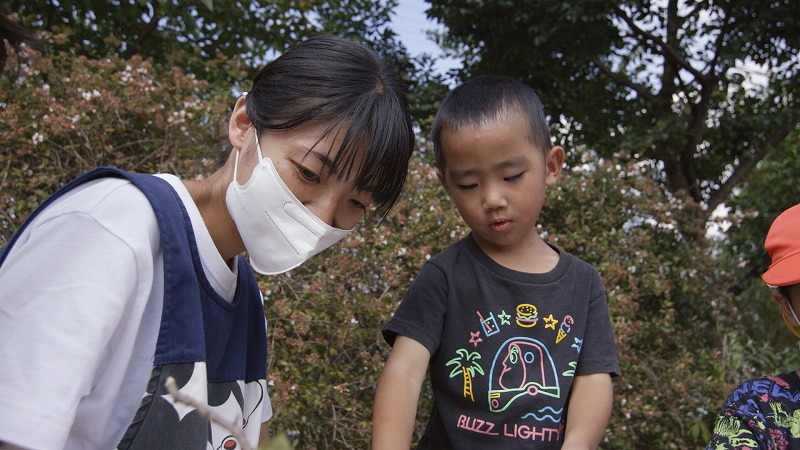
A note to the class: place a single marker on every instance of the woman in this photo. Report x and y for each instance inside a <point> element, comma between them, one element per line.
<point>120,281</point>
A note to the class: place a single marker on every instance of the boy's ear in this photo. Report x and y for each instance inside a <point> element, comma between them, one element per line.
<point>239,123</point>
<point>442,180</point>
<point>554,162</point>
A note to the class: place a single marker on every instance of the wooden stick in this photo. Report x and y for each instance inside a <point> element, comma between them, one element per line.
<point>206,412</point>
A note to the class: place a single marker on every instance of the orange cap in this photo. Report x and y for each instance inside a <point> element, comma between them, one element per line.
<point>783,246</point>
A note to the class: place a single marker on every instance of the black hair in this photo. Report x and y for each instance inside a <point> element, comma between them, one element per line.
<point>15,35</point>
<point>785,291</point>
<point>346,82</point>
<point>483,98</point>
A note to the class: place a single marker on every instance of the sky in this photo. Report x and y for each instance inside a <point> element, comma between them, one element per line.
<point>410,22</point>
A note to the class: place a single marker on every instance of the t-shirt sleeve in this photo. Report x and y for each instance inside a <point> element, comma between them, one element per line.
<point>599,352</point>
<point>266,413</point>
<point>740,423</point>
<point>731,431</point>
<point>63,291</point>
<point>422,312</point>
<point>757,414</point>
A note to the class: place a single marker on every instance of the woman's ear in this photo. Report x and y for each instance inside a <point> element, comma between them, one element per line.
<point>239,123</point>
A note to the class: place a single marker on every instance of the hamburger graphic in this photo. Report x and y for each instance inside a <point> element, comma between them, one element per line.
<point>527,315</point>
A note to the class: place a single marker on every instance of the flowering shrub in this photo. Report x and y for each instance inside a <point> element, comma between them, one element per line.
<point>663,290</point>
<point>65,114</point>
<point>667,294</point>
<point>325,318</point>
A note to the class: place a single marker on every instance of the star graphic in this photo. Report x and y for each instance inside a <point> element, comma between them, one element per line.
<point>550,322</point>
<point>504,318</point>
<point>474,338</point>
<point>578,343</point>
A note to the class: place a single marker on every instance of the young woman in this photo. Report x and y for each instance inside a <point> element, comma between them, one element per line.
<point>120,281</point>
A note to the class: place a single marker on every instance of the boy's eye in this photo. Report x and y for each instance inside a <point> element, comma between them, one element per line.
<point>466,187</point>
<point>307,173</point>
<point>515,177</point>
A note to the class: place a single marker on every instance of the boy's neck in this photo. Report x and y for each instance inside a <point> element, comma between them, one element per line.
<point>533,257</point>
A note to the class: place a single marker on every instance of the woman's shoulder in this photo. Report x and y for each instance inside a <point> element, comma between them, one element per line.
<point>112,205</point>
<point>107,191</point>
<point>786,381</point>
<point>766,389</point>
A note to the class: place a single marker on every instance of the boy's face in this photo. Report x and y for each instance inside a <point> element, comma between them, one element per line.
<point>497,180</point>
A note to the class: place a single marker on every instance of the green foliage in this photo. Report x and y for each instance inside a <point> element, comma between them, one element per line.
<point>707,89</point>
<point>325,318</point>
<point>679,327</point>
<point>666,295</point>
<point>662,289</point>
<point>279,442</point>
<point>225,41</point>
<point>66,114</point>
<point>770,189</point>
<point>200,37</point>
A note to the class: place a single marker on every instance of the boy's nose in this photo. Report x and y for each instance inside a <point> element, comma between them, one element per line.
<point>494,199</point>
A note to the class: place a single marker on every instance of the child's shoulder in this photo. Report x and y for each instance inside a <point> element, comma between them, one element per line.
<point>450,253</point>
<point>577,261</point>
<point>467,249</point>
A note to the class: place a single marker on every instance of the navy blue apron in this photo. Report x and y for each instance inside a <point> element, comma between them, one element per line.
<point>198,327</point>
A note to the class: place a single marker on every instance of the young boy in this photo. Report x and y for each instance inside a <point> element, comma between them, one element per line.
<point>763,413</point>
<point>516,332</point>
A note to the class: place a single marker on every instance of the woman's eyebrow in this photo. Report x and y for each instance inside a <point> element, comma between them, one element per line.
<point>323,157</point>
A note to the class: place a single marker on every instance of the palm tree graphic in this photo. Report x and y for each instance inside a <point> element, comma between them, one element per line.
<point>466,365</point>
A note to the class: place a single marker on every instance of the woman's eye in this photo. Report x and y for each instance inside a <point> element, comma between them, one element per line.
<point>357,204</point>
<point>307,173</point>
<point>515,177</point>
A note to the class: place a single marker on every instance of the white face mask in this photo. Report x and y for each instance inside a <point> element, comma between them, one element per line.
<point>278,231</point>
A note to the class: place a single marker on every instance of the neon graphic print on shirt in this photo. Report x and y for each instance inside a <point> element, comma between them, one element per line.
<point>519,370</point>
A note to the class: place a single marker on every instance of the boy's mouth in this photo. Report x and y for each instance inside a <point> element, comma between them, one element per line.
<point>500,224</point>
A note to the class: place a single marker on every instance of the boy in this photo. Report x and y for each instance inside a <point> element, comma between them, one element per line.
<point>516,333</point>
<point>763,413</point>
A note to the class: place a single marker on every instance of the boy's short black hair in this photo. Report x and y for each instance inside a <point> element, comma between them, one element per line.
<point>488,97</point>
<point>344,81</point>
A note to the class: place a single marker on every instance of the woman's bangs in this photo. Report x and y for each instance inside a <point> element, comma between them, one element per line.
<point>374,145</point>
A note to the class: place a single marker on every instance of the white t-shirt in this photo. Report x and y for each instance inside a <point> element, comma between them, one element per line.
<point>80,315</point>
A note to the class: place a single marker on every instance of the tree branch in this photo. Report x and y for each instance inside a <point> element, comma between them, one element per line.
<point>742,170</point>
<point>621,79</point>
<point>666,49</point>
<point>206,412</point>
<point>145,33</point>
